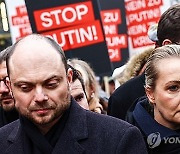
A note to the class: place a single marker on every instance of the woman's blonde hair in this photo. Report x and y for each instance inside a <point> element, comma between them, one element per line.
<point>151,71</point>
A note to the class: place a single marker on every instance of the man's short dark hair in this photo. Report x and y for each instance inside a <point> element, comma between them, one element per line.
<point>3,54</point>
<point>169,25</point>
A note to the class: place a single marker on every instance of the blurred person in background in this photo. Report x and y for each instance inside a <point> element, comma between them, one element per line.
<point>77,89</point>
<point>135,66</point>
<point>168,32</point>
<point>8,112</point>
<point>91,85</point>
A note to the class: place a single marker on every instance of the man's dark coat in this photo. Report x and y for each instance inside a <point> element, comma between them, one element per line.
<point>84,132</point>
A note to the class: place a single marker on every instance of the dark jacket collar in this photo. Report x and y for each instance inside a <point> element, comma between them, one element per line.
<point>146,122</point>
<point>75,130</point>
<point>7,116</point>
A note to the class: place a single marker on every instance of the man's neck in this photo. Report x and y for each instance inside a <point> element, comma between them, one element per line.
<point>45,128</point>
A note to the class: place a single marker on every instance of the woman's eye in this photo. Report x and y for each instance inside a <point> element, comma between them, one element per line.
<point>173,88</point>
<point>79,97</point>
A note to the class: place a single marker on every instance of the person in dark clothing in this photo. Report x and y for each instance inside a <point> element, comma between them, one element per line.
<point>118,101</point>
<point>8,112</point>
<point>168,32</point>
<point>50,119</point>
<point>158,114</point>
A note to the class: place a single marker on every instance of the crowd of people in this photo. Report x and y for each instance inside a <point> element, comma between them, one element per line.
<point>50,104</point>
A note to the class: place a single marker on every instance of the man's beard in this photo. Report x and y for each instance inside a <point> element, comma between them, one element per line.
<point>7,102</point>
<point>58,110</point>
<point>8,107</point>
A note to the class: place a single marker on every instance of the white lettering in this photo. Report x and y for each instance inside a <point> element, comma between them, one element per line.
<point>144,15</point>
<point>165,139</point>
<point>20,20</point>
<point>109,29</point>
<point>22,10</point>
<point>69,15</point>
<point>75,36</point>
<point>141,41</point>
<point>110,17</point>
<point>137,29</point>
<point>70,10</point>
<point>178,140</point>
<point>113,53</point>
<point>81,10</point>
<point>153,2</point>
<point>55,13</point>
<point>26,30</point>
<point>135,5</point>
<point>115,41</point>
<point>172,140</point>
<point>69,34</point>
<point>45,16</point>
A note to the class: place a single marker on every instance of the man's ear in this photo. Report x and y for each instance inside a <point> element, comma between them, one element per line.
<point>8,84</point>
<point>69,75</point>
<point>166,42</point>
<point>150,95</point>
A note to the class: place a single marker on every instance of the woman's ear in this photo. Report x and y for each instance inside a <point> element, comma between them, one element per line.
<point>150,95</point>
<point>166,42</point>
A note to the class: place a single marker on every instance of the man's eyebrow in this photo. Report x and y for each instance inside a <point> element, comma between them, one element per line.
<point>53,77</point>
<point>27,82</point>
<point>22,82</point>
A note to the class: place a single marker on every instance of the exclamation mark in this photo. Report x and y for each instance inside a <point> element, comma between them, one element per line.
<point>94,32</point>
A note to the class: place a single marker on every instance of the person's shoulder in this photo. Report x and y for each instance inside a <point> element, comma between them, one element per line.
<point>1,109</point>
<point>130,85</point>
<point>7,129</point>
<point>108,122</point>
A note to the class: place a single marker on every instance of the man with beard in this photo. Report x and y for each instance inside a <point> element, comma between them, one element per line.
<point>8,112</point>
<point>50,119</point>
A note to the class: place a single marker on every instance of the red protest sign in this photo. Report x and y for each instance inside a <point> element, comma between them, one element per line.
<point>111,19</point>
<point>111,16</point>
<point>140,15</point>
<point>63,16</point>
<point>21,16</point>
<point>140,5</point>
<point>76,26</point>
<point>78,36</point>
<point>114,54</point>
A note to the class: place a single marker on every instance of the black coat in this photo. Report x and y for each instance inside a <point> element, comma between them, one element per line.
<point>7,117</point>
<point>84,132</point>
<point>124,96</point>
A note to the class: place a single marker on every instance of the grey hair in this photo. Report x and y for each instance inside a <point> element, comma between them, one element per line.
<point>151,71</point>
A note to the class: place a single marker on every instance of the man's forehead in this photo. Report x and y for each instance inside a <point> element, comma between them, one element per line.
<point>36,48</point>
<point>33,53</point>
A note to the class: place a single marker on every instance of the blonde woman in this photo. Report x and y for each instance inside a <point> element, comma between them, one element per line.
<point>91,85</point>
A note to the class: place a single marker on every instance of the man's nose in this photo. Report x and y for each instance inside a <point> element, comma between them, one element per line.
<point>40,96</point>
<point>3,87</point>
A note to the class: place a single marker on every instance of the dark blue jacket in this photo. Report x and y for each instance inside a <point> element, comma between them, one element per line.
<point>84,132</point>
<point>159,139</point>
